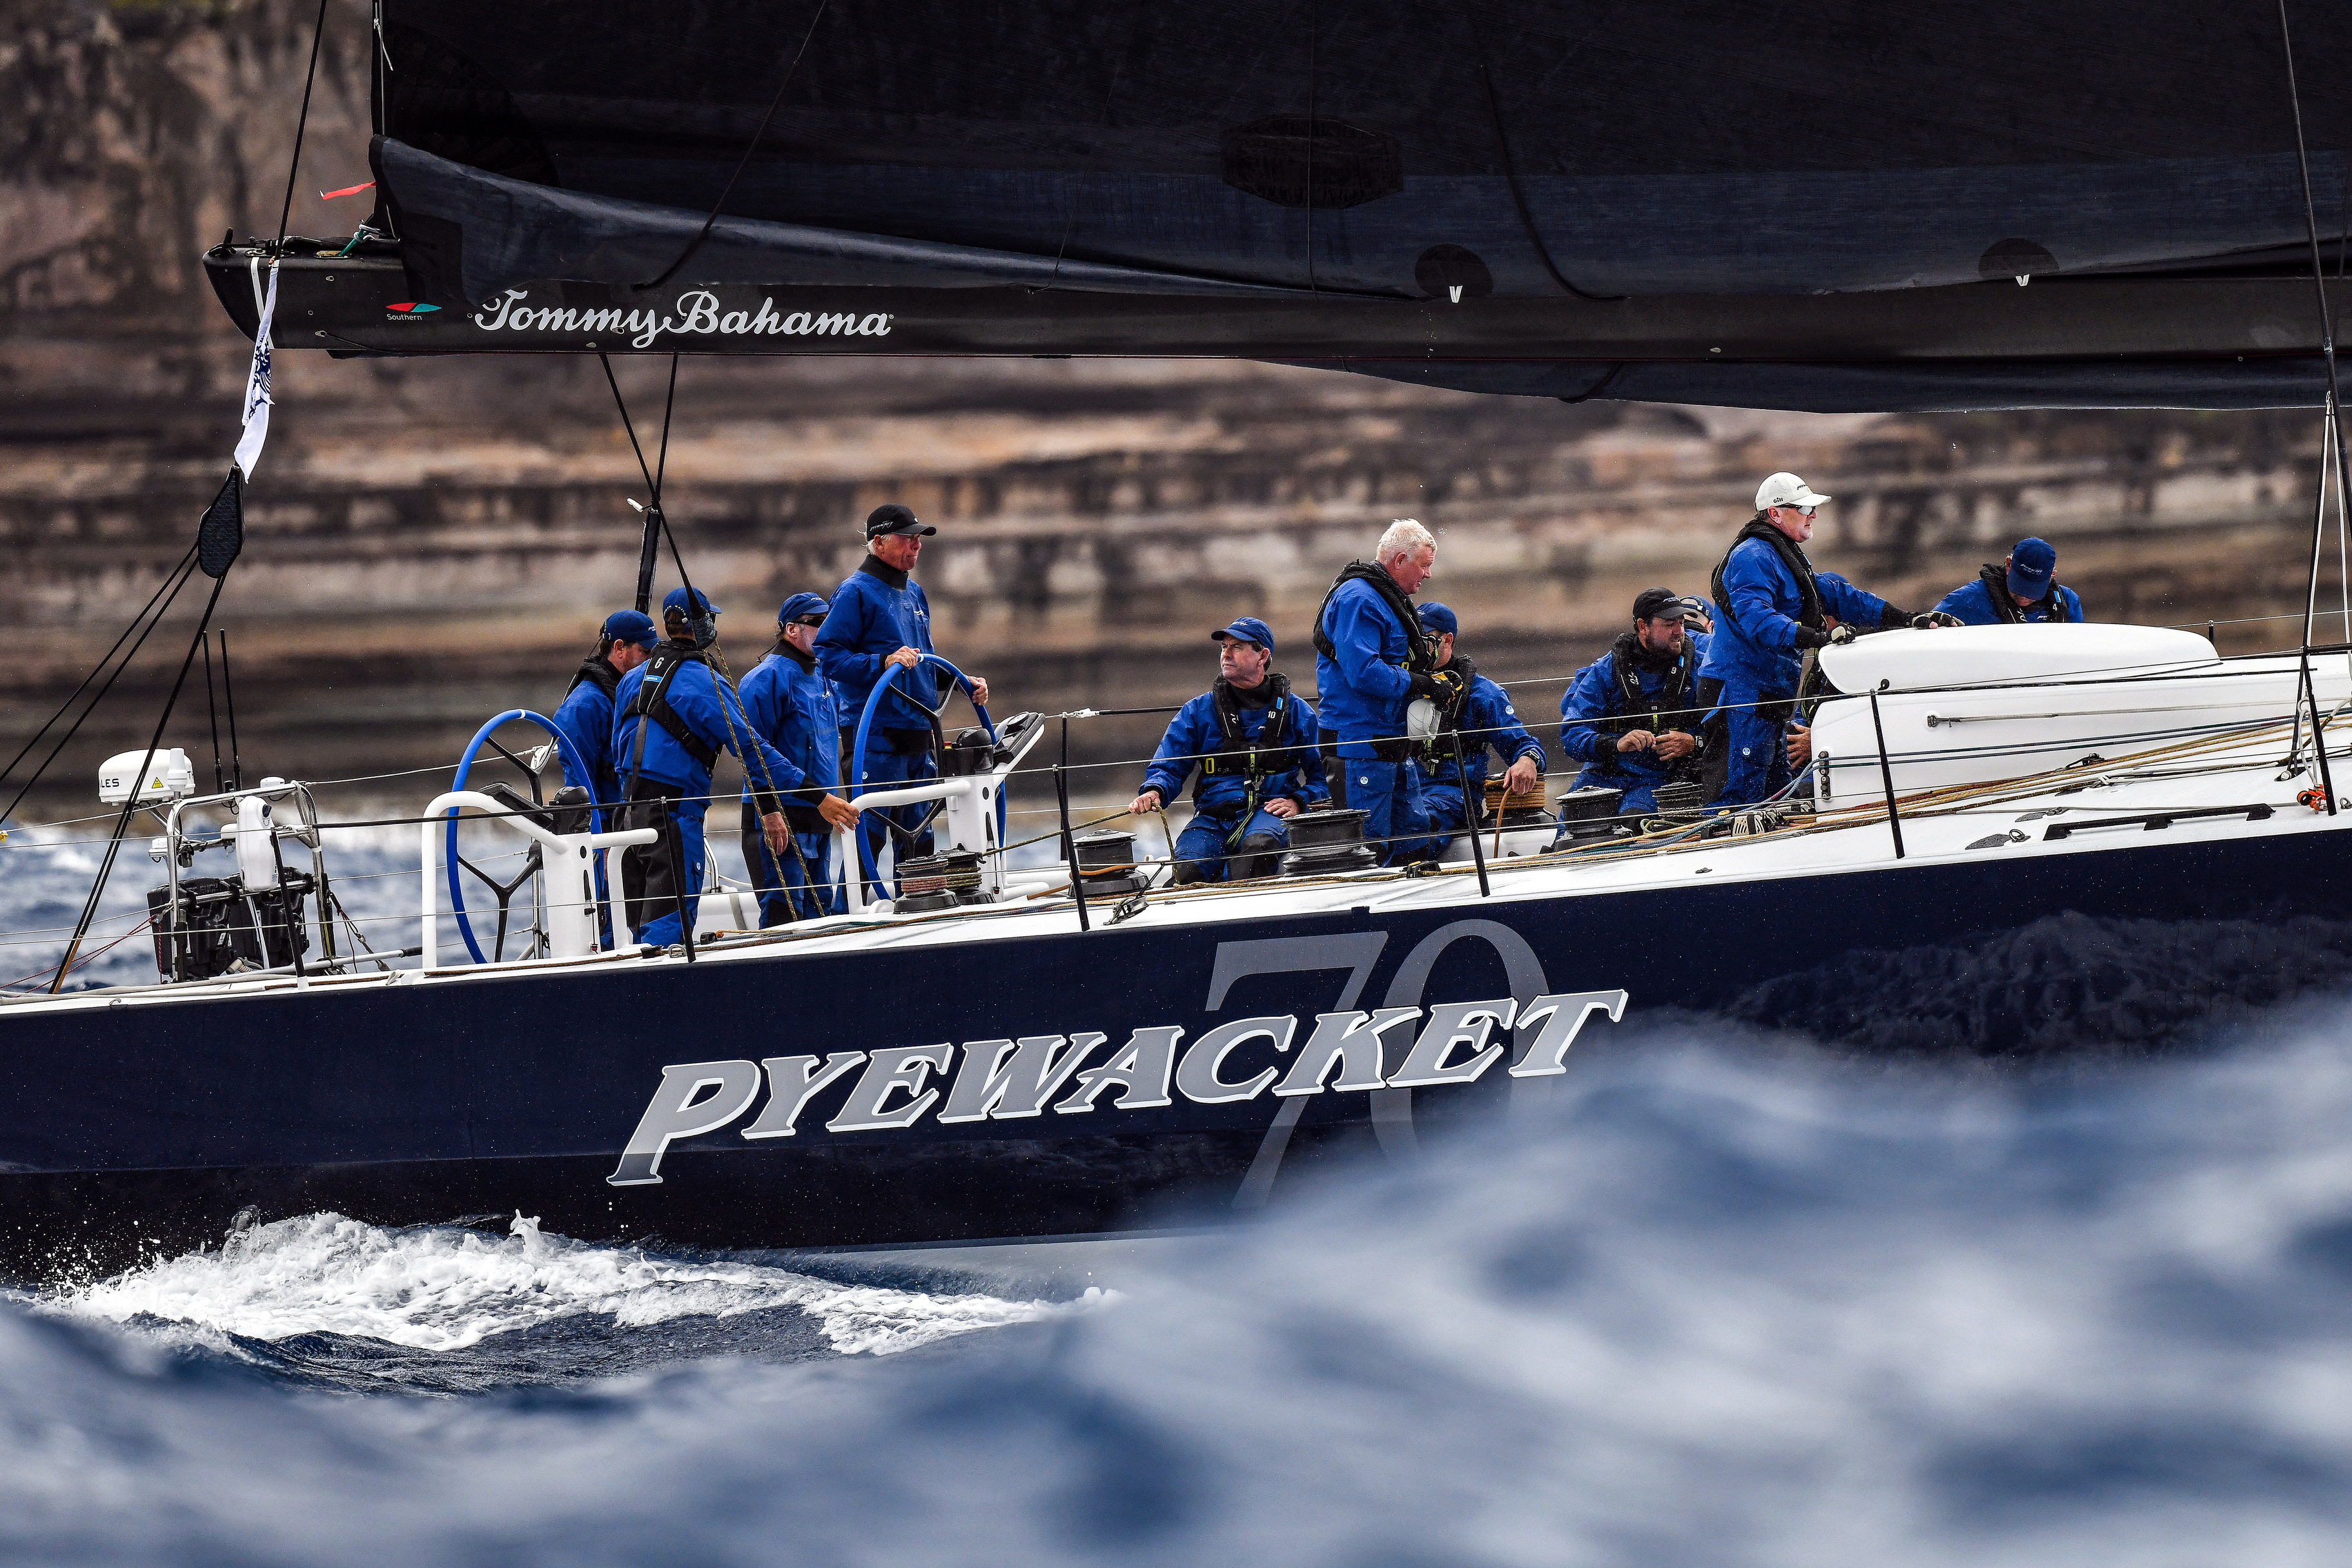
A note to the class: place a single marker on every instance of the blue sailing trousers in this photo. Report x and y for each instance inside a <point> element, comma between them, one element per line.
<point>1209,849</point>
<point>1759,738</point>
<point>806,890</point>
<point>1442,808</point>
<point>1397,824</point>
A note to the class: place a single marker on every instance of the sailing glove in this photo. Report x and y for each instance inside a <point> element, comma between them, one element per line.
<point>1440,686</point>
<point>1934,618</point>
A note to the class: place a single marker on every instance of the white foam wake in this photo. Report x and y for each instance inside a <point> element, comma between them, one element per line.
<point>447,1288</point>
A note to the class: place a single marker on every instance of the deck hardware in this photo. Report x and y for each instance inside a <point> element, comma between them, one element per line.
<point>2150,821</point>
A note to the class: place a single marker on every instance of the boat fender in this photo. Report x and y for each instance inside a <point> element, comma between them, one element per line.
<point>256,859</point>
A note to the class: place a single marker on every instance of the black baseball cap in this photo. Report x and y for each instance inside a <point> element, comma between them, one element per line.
<point>892,517</point>
<point>1658,605</point>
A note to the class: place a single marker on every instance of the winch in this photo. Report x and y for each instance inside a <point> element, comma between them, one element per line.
<point>1324,843</point>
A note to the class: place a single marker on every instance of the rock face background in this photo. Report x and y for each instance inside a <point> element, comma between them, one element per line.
<point>430,542</point>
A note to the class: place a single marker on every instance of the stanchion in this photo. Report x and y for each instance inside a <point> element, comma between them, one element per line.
<point>1887,773</point>
<point>1069,844</point>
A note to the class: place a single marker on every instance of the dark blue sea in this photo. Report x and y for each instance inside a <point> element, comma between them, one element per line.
<point>1728,1300</point>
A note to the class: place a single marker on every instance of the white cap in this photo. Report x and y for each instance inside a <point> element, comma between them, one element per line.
<point>1785,490</point>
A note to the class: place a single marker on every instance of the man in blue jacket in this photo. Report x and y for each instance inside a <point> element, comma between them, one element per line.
<point>676,713</point>
<point>788,833</point>
<point>1254,742</point>
<point>2019,590</point>
<point>1372,663</point>
<point>1453,765</point>
<point>1770,607</point>
<point>878,618</point>
<point>627,640</point>
<point>1633,716</point>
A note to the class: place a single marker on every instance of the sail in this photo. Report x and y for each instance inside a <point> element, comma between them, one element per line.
<point>1371,148</point>
<point>1829,204</point>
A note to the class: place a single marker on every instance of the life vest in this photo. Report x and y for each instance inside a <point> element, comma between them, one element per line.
<point>1676,705</point>
<point>652,702</point>
<point>1270,752</point>
<point>1799,566</point>
<point>597,671</point>
<point>2004,603</point>
<point>1420,649</point>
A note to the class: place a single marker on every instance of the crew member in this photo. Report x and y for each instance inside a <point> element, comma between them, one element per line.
<point>1770,608</point>
<point>1453,766</point>
<point>2020,589</point>
<point>788,833</point>
<point>1372,661</point>
<point>879,616</point>
<point>1255,740</point>
<point>676,713</point>
<point>1632,716</point>
<point>626,641</point>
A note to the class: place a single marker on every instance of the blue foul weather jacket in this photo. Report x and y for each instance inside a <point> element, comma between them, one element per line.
<point>1488,722</point>
<point>877,611</point>
<point>708,709</point>
<point>1596,710</point>
<point>1757,616</point>
<point>790,706</point>
<point>1977,604</point>
<point>586,719</point>
<point>1200,736</point>
<point>1362,687</point>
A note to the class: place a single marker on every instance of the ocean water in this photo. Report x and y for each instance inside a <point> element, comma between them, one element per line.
<point>47,868</point>
<point>1729,1300</point>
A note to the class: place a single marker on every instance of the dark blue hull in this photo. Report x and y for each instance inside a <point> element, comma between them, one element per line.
<point>129,1129</point>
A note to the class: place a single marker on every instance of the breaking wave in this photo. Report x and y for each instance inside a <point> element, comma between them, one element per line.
<point>1723,1302</point>
<point>447,1287</point>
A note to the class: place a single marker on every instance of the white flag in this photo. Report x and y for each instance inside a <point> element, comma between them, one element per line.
<point>256,385</point>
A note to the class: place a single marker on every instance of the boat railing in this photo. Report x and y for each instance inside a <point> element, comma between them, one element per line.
<point>569,870</point>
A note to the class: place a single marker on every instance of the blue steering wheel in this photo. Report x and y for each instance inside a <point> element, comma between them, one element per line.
<point>891,672</point>
<point>575,763</point>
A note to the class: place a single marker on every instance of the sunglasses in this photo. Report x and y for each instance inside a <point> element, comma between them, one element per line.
<point>807,621</point>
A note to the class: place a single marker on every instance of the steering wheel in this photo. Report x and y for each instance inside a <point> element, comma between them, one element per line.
<point>891,672</point>
<point>577,765</point>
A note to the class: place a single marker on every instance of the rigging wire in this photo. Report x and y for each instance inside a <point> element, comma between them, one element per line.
<point>718,206</point>
<point>131,802</point>
<point>2332,416</point>
<point>302,125</point>
<point>173,584</point>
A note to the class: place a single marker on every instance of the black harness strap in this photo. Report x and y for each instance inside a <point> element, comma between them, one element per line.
<point>652,702</point>
<point>1675,699</point>
<point>597,671</point>
<point>1270,752</point>
<point>1799,565</point>
<point>2005,605</point>
<point>1421,655</point>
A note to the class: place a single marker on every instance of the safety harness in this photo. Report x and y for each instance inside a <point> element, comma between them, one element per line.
<point>652,702</point>
<point>1256,761</point>
<point>1676,699</point>
<point>1800,567</point>
<point>1236,753</point>
<point>597,671</point>
<point>1420,649</point>
<point>2005,605</point>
